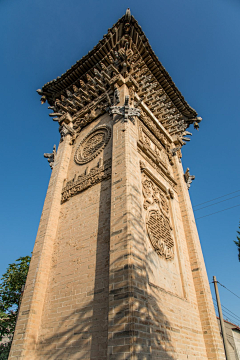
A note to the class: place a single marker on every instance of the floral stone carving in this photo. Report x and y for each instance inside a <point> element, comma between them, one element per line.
<point>92,145</point>
<point>158,224</point>
<point>86,180</point>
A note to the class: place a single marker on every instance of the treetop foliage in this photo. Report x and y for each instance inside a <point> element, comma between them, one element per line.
<point>11,288</point>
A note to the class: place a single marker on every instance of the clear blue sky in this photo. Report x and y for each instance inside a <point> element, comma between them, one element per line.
<point>198,43</point>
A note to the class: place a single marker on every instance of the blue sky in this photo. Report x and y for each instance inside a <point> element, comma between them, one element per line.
<point>197,41</point>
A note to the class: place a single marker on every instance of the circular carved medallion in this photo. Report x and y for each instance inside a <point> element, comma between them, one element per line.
<point>159,233</point>
<point>92,145</point>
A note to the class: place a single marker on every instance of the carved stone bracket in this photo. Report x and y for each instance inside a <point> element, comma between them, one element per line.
<point>126,111</point>
<point>51,157</point>
<point>86,180</point>
<point>188,178</point>
<point>64,130</point>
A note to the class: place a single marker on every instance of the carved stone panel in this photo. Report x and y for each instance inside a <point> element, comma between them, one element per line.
<point>156,154</point>
<point>86,180</point>
<point>158,223</point>
<point>92,145</point>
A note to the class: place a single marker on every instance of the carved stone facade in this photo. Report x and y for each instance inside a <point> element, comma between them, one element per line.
<point>117,270</point>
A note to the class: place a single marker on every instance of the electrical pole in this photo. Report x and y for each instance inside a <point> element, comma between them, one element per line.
<point>221,320</point>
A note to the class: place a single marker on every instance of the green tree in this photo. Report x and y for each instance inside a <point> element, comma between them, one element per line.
<point>237,242</point>
<point>11,288</point>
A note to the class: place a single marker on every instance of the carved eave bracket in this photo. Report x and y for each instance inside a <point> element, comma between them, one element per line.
<point>90,87</point>
<point>126,111</point>
<point>51,157</point>
<point>188,178</point>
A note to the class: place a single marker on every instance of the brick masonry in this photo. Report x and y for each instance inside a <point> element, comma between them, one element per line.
<point>97,288</point>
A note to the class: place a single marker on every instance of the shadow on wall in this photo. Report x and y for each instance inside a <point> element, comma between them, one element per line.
<point>83,333</point>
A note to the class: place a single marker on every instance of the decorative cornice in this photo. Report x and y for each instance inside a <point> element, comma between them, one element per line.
<point>123,53</point>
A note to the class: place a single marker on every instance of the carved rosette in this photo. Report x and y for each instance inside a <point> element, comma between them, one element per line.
<point>92,145</point>
<point>158,223</point>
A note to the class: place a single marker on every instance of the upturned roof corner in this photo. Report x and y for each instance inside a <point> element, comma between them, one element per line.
<point>124,51</point>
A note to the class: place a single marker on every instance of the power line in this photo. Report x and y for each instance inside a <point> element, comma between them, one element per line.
<point>229,290</point>
<point>218,212</point>
<point>226,315</point>
<point>216,198</point>
<point>229,312</point>
<point>218,202</point>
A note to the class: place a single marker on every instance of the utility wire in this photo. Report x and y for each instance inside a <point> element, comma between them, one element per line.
<point>228,290</point>
<point>218,212</point>
<point>218,202</point>
<point>226,310</point>
<point>216,198</point>
<point>227,316</point>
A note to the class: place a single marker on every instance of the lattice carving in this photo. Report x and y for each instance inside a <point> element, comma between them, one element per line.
<point>87,180</point>
<point>92,145</point>
<point>159,229</point>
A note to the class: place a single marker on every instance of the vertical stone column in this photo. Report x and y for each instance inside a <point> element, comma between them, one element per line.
<point>29,319</point>
<point>213,342</point>
<point>128,329</point>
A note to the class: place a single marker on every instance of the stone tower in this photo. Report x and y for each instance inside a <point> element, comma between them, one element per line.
<point>117,270</point>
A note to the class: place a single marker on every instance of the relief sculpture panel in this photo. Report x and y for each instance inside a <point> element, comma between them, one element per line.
<point>158,222</point>
<point>157,153</point>
<point>92,145</point>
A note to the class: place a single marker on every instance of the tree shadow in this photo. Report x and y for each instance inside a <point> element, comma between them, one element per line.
<point>140,326</point>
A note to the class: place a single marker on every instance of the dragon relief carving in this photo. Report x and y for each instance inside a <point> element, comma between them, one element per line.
<point>158,224</point>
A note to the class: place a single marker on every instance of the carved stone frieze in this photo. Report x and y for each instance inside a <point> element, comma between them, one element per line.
<point>91,112</point>
<point>158,223</point>
<point>152,146</point>
<point>87,179</point>
<point>157,132</point>
<point>160,169</point>
<point>92,144</point>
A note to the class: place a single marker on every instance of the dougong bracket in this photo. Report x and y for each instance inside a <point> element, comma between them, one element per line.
<point>126,111</point>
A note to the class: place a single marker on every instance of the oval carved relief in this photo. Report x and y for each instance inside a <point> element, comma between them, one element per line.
<point>158,223</point>
<point>92,145</point>
<point>159,233</point>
